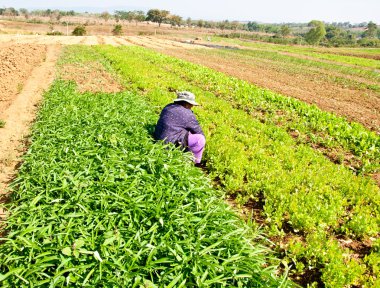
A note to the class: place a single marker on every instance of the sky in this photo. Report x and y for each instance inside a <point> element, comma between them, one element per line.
<point>267,11</point>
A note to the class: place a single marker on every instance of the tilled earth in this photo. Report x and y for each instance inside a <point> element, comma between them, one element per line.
<point>16,63</point>
<point>26,71</point>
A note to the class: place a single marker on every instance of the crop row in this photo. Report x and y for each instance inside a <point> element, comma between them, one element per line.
<point>333,54</point>
<point>97,203</point>
<point>315,127</point>
<point>259,161</point>
<point>354,78</point>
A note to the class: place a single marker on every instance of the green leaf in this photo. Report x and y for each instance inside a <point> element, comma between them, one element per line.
<point>66,251</point>
<point>109,241</point>
<point>79,243</point>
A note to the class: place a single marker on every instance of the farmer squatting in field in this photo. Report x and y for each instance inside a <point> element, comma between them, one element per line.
<point>178,125</point>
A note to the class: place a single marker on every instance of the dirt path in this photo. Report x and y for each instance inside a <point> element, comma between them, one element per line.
<point>19,116</point>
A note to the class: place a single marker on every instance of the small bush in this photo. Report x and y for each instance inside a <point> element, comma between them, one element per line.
<point>2,123</point>
<point>79,31</point>
<point>145,33</point>
<point>117,30</point>
<point>365,42</point>
<point>35,21</point>
<point>54,33</point>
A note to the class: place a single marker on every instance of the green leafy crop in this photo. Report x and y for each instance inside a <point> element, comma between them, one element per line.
<point>257,160</point>
<point>97,203</point>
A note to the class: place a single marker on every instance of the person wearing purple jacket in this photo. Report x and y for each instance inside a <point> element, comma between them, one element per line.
<point>178,125</point>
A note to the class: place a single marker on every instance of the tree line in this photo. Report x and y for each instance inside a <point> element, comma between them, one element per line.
<point>314,33</point>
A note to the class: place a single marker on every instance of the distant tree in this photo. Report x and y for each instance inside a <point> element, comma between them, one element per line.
<point>79,31</point>
<point>189,22</point>
<point>10,12</point>
<point>223,25</point>
<point>157,16</point>
<point>55,15</point>
<point>235,25</point>
<point>105,16</point>
<point>337,36</point>
<point>270,28</point>
<point>137,16</point>
<point>117,30</point>
<point>285,31</point>
<point>175,20</point>
<point>316,33</point>
<point>129,16</point>
<point>122,15</point>
<point>200,23</point>
<point>209,24</point>
<point>253,26</point>
<point>47,12</point>
<point>371,30</point>
<point>24,12</point>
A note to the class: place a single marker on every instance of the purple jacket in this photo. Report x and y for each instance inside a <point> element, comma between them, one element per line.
<point>175,123</point>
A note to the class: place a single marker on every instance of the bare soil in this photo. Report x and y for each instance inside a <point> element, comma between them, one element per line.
<point>21,107</point>
<point>90,78</point>
<point>16,63</point>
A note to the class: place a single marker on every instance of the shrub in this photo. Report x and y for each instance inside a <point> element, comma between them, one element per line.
<point>366,42</point>
<point>117,30</point>
<point>79,31</point>
<point>54,33</point>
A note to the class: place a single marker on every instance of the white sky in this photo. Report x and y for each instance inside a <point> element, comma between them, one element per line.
<point>277,11</point>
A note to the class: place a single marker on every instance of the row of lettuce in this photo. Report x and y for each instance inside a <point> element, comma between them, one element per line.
<point>302,193</point>
<point>98,203</point>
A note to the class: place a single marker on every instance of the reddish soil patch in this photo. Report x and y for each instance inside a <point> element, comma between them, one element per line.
<point>16,63</point>
<point>91,77</point>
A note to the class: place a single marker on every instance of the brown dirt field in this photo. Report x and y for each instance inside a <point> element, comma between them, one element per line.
<point>111,40</point>
<point>16,63</point>
<point>122,42</point>
<point>90,78</point>
<point>161,44</point>
<point>21,111</point>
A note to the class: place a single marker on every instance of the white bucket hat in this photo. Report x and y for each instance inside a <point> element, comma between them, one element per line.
<point>187,97</point>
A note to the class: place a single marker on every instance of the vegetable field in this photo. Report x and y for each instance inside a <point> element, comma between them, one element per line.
<point>98,203</point>
<point>310,205</point>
